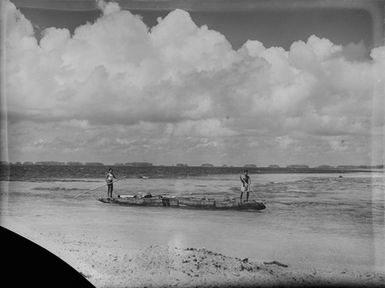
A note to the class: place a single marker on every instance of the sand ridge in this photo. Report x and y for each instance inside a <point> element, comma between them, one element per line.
<point>165,266</point>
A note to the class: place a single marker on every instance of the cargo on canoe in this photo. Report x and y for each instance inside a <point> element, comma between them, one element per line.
<point>183,202</point>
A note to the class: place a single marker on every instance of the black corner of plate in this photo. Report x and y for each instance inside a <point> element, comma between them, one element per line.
<point>26,264</point>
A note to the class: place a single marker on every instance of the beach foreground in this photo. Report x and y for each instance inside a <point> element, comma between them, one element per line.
<point>158,266</point>
<point>109,265</point>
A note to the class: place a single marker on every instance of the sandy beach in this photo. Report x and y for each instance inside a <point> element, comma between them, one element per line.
<point>106,263</point>
<point>114,246</point>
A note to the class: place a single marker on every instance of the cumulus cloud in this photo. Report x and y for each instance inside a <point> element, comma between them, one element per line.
<point>204,128</point>
<point>284,141</point>
<point>338,145</point>
<point>187,80</point>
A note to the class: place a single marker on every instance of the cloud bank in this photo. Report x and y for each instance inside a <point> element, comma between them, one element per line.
<point>119,80</point>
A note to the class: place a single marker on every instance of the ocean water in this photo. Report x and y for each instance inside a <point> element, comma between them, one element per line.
<point>312,221</point>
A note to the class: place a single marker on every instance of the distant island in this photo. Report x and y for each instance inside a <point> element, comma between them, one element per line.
<point>43,170</point>
<point>251,167</point>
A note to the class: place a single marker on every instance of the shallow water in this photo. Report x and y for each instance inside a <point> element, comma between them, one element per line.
<point>318,221</point>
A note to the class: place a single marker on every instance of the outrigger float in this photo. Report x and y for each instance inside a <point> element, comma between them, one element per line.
<point>183,202</point>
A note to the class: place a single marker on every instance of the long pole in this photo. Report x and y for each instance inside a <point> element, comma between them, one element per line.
<point>99,187</point>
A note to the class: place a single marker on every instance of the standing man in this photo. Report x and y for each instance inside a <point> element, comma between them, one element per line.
<point>246,183</point>
<point>110,180</point>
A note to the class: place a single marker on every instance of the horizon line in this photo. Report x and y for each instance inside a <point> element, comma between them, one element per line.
<point>144,164</point>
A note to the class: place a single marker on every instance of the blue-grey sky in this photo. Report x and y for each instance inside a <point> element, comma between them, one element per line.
<point>271,27</point>
<point>227,87</point>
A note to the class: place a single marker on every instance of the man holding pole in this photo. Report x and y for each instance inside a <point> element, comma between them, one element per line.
<point>110,180</point>
<point>246,183</point>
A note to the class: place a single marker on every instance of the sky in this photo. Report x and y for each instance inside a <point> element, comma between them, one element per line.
<point>271,27</point>
<point>273,88</point>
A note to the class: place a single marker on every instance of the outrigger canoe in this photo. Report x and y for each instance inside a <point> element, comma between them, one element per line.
<point>183,202</point>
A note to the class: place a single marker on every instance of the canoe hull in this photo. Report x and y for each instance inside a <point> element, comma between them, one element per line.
<point>186,203</point>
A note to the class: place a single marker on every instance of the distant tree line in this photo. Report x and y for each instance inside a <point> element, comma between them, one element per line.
<point>207,165</point>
